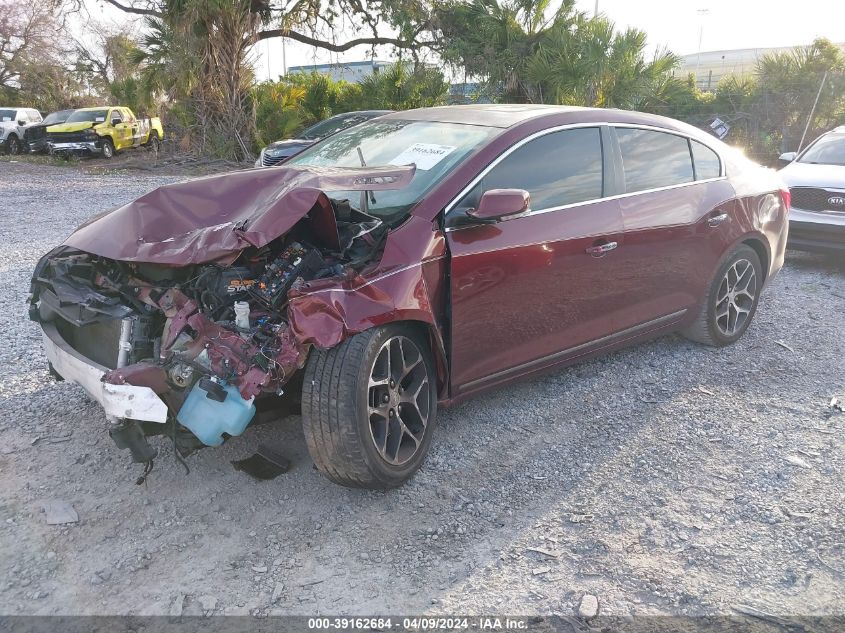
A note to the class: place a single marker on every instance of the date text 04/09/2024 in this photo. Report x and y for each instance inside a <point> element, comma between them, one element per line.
<point>420,623</point>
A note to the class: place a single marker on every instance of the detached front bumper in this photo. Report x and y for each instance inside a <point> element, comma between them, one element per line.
<point>70,148</point>
<point>118,401</point>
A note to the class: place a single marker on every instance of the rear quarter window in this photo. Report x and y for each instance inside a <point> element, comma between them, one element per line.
<point>651,159</point>
<point>707,162</point>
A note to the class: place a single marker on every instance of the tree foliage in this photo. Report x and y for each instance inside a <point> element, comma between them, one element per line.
<point>526,52</point>
<point>284,107</point>
<point>32,56</point>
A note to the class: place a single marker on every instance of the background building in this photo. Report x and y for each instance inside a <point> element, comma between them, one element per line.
<point>710,66</point>
<point>352,72</point>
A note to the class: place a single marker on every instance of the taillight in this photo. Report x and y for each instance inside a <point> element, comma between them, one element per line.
<point>786,196</point>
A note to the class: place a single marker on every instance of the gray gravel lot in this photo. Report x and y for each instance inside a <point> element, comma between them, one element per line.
<point>666,479</point>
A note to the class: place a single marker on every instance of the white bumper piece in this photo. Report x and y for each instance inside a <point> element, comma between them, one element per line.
<point>120,401</point>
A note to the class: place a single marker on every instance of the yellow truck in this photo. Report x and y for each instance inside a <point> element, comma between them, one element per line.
<point>103,131</point>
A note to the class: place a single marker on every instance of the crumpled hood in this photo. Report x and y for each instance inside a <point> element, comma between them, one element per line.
<point>809,175</point>
<point>212,219</point>
<point>71,127</point>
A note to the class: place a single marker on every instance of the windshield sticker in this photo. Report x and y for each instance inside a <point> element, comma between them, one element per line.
<point>99,119</point>
<point>423,155</point>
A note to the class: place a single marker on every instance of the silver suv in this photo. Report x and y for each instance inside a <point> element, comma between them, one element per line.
<point>13,122</point>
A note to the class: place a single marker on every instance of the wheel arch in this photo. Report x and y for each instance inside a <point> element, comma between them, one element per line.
<point>759,246</point>
<point>438,351</point>
<point>326,317</point>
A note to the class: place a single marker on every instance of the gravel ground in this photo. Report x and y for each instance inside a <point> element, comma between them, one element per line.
<point>665,479</point>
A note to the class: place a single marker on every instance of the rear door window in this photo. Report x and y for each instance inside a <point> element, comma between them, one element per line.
<point>557,169</point>
<point>707,163</point>
<point>653,159</point>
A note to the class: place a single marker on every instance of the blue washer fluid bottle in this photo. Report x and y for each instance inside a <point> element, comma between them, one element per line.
<point>213,408</point>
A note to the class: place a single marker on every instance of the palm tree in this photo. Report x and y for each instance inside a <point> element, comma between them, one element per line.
<point>560,57</point>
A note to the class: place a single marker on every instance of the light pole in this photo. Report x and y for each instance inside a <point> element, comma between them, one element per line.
<point>701,14</point>
<point>596,10</point>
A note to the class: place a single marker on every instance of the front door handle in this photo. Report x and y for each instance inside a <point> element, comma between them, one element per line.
<point>600,250</point>
<point>716,220</point>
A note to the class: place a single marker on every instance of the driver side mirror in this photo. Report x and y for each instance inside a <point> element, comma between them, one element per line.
<point>787,157</point>
<point>496,204</point>
<point>115,121</point>
<point>21,123</point>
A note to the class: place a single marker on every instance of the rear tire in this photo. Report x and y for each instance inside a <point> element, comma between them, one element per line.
<point>731,301</point>
<point>154,143</point>
<point>369,407</point>
<point>108,148</point>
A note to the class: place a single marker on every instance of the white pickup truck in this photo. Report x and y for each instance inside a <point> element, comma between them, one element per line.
<point>13,122</point>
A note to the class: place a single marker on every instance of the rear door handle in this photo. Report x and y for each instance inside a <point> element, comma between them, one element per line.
<point>601,249</point>
<point>716,220</point>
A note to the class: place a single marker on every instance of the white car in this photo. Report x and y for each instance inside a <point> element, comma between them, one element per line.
<point>816,180</point>
<point>13,122</point>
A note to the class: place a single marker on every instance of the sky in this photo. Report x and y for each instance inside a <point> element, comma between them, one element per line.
<point>676,24</point>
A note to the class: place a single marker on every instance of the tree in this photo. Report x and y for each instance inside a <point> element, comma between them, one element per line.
<point>789,83</point>
<point>314,22</point>
<point>278,111</point>
<point>526,52</point>
<point>197,52</point>
<point>27,39</point>
<point>402,86</point>
<point>107,59</point>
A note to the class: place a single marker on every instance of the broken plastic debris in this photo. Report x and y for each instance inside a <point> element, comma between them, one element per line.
<point>59,512</point>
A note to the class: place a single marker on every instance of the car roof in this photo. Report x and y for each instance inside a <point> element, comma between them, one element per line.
<point>371,113</point>
<point>509,114</point>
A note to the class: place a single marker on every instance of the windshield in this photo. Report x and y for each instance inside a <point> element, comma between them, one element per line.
<point>56,117</point>
<point>828,150</point>
<point>434,147</point>
<point>329,127</point>
<point>7,115</point>
<point>82,116</point>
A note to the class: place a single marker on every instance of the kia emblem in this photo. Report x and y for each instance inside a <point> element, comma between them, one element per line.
<point>836,201</point>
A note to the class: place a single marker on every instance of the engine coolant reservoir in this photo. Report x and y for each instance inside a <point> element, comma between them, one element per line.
<point>212,409</point>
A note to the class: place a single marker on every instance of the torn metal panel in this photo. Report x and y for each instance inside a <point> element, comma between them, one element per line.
<point>212,219</point>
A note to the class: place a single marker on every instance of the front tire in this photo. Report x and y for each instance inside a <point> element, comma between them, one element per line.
<point>13,145</point>
<point>108,148</point>
<point>731,301</point>
<point>369,407</point>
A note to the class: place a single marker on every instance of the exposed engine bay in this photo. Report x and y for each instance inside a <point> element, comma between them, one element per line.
<point>211,340</point>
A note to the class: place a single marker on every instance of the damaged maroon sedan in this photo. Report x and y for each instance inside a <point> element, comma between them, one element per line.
<point>402,265</point>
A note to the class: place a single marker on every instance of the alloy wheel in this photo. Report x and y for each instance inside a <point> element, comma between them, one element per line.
<point>398,400</point>
<point>736,297</point>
